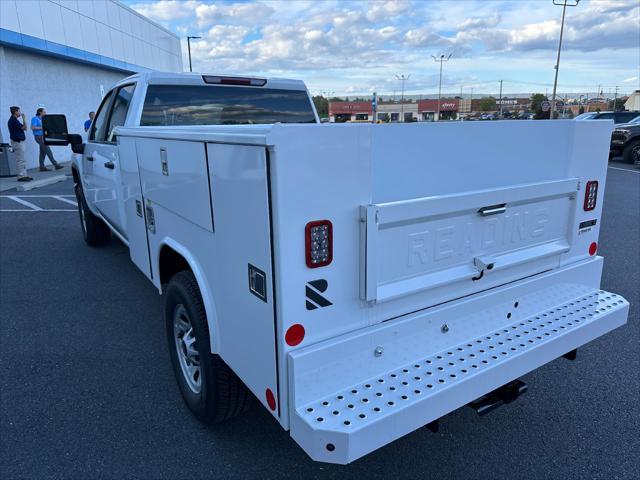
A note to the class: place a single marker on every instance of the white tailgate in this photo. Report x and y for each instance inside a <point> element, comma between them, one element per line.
<point>482,238</point>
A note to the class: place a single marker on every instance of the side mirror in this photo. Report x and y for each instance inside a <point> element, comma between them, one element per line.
<point>54,128</point>
<point>75,140</point>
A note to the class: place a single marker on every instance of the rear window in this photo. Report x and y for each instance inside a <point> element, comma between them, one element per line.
<point>215,105</point>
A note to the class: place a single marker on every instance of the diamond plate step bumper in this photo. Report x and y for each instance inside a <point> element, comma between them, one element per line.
<point>345,424</point>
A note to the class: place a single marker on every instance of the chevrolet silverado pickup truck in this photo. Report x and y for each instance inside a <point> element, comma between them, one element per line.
<point>360,280</point>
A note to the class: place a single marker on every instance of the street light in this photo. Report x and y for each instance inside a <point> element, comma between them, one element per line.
<point>564,4</point>
<point>402,79</point>
<point>440,59</point>
<point>189,49</point>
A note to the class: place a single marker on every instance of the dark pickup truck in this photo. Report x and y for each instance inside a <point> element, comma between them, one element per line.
<point>625,141</point>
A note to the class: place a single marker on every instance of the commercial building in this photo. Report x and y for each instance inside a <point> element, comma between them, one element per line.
<point>633,102</point>
<point>340,112</point>
<point>64,56</point>
<point>429,109</point>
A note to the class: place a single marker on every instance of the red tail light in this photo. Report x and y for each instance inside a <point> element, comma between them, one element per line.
<point>318,239</point>
<point>590,195</point>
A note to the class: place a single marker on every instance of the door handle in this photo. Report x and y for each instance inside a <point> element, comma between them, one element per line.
<point>89,158</point>
<point>110,165</point>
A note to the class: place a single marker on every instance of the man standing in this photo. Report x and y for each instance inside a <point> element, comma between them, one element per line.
<point>45,150</point>
<point>16,133</point>
<point>87,124</point>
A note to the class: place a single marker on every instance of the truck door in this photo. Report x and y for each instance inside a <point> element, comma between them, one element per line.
<point>103,150</point>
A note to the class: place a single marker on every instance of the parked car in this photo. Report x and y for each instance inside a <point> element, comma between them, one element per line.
<point>625,141</point>
<point>357,287</point>
<point>617,117</point>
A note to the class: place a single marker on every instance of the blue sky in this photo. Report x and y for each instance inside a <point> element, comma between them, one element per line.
<point>358,46</point>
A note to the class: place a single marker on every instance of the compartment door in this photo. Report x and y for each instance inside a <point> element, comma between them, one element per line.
<point>465,242</point>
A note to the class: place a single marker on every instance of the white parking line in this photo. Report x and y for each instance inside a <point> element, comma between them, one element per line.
<point>35,208</point>
<point>624,169</point>
<point>62,199</point>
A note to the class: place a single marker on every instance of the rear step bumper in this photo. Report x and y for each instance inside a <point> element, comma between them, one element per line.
<point>339,425</point>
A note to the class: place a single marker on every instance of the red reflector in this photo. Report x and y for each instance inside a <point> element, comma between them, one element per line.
<point>590,195</point>
<point>318,240</point>
<point>294,335</point>
<point>593,248</point>
<point>271,399</point>
<point>252,82</point>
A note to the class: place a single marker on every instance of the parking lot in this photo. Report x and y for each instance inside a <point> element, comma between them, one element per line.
<point>87,390</point>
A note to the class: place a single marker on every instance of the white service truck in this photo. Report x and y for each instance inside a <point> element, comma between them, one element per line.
<point>360,280</point>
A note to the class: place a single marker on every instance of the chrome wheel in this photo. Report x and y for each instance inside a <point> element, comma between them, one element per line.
<point>635,154</point>
<point>188,356</point>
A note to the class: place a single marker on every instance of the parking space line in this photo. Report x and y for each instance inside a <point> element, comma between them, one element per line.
<point>62,199</point>
<point>33,207</point>
<point>624,169</point>
<point>41,210</point>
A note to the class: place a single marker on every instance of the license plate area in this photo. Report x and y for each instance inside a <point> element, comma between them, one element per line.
<point>487,237</point>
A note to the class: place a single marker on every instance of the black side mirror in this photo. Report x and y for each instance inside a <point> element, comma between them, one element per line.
<point>54,128</point>
<point>75,140</point>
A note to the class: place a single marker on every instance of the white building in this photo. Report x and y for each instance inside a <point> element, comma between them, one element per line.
<point>633,102</point>
<point>64,56</point>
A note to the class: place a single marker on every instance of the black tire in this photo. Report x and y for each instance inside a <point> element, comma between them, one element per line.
<point>221,395</point>
<point>94,230</point>
<point>631,153</point>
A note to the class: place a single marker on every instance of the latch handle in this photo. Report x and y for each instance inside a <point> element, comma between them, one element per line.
<point>493,210</point>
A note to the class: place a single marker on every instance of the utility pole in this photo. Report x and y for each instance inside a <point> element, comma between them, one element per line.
<point>615,99</point>
<point>440,59</point>
<point>189,38</point>
<point>557,67</point>
<point>402,79</point>
<point>500,101</point>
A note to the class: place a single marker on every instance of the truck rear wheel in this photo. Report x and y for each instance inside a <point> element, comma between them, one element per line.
<point>631,153</point>
<point>94,230</point>
<point>210,389</point>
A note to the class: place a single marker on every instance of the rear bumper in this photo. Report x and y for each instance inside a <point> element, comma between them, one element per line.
<point>361,391</point>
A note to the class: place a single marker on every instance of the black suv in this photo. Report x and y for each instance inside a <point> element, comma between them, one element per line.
<point>625,140</point>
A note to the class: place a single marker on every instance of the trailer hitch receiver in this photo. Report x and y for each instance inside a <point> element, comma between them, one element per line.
<point>500,396</point>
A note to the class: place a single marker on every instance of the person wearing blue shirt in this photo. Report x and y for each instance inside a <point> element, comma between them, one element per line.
<point>45,150</point>
<point>17,136</point>
<point>87,124</point>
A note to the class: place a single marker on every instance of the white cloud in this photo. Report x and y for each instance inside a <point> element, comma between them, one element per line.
<point>165,10</point>
<point>361,45</point>
<point>630,80</point>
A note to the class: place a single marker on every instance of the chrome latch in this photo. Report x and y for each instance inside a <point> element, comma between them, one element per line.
<point>164,162</point>
<point>151,221</point>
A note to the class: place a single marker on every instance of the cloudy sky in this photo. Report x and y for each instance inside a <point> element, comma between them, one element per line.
<point>358,46</point>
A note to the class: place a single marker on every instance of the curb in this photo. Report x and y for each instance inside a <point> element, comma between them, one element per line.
<point>40,183</point>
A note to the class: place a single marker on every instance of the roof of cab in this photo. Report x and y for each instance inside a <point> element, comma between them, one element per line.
<point>188,78</point>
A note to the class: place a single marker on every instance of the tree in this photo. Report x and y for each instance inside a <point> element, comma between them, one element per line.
<point>536,106</point>
<point>487,103</point>
<point>322,105</point>
<point>617,105</point>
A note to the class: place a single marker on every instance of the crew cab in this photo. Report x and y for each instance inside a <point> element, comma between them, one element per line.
<point>360,280</point>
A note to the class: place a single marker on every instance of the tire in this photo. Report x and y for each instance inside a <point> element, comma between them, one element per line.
<point>94,230</point>
<point>209,387</point>
<point>631,153</point>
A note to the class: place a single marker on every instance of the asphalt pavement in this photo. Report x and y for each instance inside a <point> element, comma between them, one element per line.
<point>87,390</point>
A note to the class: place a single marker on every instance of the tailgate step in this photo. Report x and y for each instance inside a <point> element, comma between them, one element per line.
<point>347,424</point>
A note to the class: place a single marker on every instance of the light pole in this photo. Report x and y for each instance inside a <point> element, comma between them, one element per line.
<point>564,4</point>
<point>440,59</point>
<point>189,38</point>
<point>402,79</point>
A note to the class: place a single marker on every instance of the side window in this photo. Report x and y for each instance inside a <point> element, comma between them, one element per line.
<point>100,122</point>
<point>623,117</point>
<point>604,116</point>
<point>121,104</point>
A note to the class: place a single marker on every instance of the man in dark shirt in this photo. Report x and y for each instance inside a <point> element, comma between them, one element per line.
<point>16,133</point>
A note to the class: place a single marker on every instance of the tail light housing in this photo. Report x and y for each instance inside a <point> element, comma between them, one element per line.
<point>590,195</point>
<point>318,239</point>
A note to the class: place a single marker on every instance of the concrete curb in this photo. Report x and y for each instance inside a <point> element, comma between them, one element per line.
<point>40,183</point>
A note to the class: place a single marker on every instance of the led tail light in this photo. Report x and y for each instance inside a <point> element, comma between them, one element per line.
<point>318,243</point>
<point>590,195</point>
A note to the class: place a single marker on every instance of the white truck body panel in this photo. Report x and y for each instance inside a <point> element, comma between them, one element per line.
<point>418,212</point>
